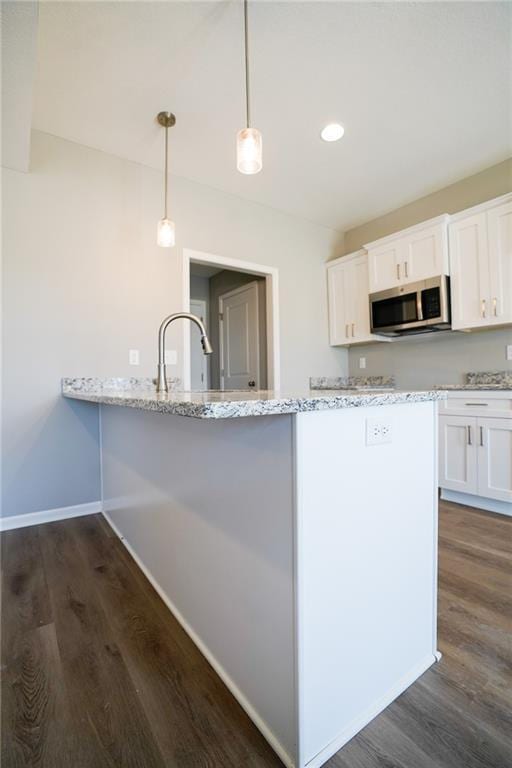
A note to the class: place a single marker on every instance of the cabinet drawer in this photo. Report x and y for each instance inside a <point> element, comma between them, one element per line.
<point>473,404</point>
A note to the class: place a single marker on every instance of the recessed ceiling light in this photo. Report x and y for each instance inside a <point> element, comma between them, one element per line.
<point>332,132</point>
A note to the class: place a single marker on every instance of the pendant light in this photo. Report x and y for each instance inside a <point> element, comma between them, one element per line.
<point>248,140</point>
<point>166,236</point>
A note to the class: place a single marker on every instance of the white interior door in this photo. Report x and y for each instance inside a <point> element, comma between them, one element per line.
<point>198,361</point>
<point>239,336</point>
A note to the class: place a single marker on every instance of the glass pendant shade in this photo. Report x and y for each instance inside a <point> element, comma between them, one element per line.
<point>166,236</point>
<point>249,151</point>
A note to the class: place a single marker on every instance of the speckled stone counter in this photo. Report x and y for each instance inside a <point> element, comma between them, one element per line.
<point>352,382</point>
<point>482,380</point>
<point>234,404</point>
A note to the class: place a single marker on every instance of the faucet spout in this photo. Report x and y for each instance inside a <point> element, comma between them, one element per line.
<point>161,382</point>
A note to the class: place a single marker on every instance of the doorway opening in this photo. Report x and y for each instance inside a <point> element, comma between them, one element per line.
<point>237,301</point>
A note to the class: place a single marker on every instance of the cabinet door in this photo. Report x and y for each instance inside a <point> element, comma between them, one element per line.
<point>425,254</point>
<point>385,266</point>
<point>458,453</point>
<point>495,458</point>
<point>361,302</point>
<point>499,227</point>
<point>469,269</point>
<point>340,302</point>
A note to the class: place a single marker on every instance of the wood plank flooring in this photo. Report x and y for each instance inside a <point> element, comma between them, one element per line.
<point>96,673</point>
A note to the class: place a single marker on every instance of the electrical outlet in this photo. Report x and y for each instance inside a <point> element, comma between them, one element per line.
<point>133,357</point>
<point>378,432</point>
<point>171,357</point>
<point>362,362</point>
<point>509,351</point>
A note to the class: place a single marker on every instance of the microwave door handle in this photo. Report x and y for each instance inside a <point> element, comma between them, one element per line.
<point>419,307</point>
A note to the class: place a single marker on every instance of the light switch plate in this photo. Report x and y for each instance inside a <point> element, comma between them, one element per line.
<point>509,351</point>
<point>171,357</point>
<point>133,357</point>
<point>362,362</point>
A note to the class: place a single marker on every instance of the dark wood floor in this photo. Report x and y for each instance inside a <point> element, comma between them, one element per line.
<point>97,673</point>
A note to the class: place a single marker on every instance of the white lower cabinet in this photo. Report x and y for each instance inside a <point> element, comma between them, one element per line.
<point>495,458</point>
<point>475,458</point>
<point>457,454</point>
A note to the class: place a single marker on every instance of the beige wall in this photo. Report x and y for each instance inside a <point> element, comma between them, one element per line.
<point>446,357</point>
<point>472,190</point>
<point>84,282</point>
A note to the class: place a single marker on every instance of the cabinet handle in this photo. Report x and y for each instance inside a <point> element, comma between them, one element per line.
<point>495,307</point>
<point>346,331</point>
<point>469,436</point>
<point>353,329</point>
<point>483,308</point>
<point>398,271</point>
<point>481,436</point>
<point>477,405</point>
<point>406,268</point>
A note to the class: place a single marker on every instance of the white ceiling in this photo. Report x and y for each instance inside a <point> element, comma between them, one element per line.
<point>423,90</point>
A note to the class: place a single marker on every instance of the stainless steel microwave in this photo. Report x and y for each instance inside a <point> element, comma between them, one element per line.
<point>414,308</point>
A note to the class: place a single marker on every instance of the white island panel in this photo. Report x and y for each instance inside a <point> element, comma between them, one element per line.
<point>366,567</point>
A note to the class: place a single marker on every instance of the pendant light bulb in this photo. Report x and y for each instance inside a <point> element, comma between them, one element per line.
<point>249,153</point>
<point>166,234</point>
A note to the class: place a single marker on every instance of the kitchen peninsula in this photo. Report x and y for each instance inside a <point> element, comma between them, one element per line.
<point>293,536</point>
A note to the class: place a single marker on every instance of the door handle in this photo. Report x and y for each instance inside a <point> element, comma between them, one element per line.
<point>495,307</point>
<point>398,271</point>
<point>346,331</point>
<point>406,269</point>
<point>252,383</point>
<point>469,436</point>
<point>481,436</point>
<point>353,329</point>
<point>484,312</point>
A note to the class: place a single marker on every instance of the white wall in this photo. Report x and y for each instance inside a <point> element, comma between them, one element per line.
<point>84,282</point>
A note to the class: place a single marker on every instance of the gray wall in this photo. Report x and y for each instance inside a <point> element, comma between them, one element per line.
<point>84,282</point>
<point>200,288</point>
<point>441,358</point>
<point>224,281</point>
<point>444,357</point>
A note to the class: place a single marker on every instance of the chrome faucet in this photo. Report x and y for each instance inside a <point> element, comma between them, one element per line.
<point>161,382</point>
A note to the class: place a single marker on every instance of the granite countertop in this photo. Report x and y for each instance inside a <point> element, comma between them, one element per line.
<point>141,394</point>
<point>474,387</point>
<point>483,380</point>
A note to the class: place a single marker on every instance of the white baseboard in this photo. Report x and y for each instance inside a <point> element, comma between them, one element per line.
<point>478,502</point>
<point>49,515</point>
<point>219,669</point>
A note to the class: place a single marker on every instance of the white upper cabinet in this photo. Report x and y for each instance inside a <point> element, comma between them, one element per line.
<point>413,254</point>
<point>481,266</point>
<point>499,231</point>
<point>349,306</point>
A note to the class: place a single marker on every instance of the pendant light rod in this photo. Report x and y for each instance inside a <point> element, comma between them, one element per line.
<point>166,231</point>
<point>167,120</point>
<point>166,166</point>
<point>246,51</point>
